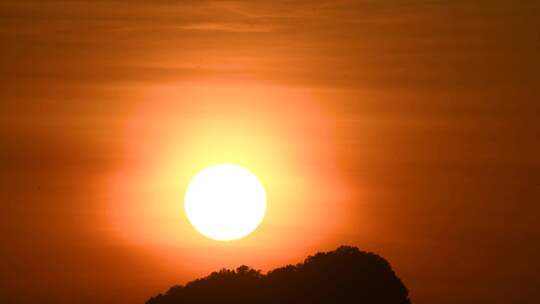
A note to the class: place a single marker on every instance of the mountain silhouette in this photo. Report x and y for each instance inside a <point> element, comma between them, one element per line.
<point>345,275</point>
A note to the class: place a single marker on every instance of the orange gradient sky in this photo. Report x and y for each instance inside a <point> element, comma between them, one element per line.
<point>407,128</point>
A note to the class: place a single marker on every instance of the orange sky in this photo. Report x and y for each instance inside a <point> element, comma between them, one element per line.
<point>408,128</point>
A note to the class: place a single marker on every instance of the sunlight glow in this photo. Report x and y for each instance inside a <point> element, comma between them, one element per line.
<point>225,202</point>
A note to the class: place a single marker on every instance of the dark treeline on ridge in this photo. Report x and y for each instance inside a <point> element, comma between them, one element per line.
<point>345,275</point>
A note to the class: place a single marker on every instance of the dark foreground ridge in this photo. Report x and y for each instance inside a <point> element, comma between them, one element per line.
<point>346,275</point>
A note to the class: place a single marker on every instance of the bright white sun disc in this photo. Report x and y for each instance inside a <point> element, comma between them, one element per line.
<point>225,202</point>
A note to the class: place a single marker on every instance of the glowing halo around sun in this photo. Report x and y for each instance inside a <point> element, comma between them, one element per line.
<point>225,202</point>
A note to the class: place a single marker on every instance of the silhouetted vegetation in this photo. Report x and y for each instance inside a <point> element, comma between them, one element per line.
<point>346,275</point>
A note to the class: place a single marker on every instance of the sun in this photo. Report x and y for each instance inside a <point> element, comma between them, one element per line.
<point>225,202</point>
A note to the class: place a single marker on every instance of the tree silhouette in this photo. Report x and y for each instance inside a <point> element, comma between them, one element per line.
<point>345,275</point>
